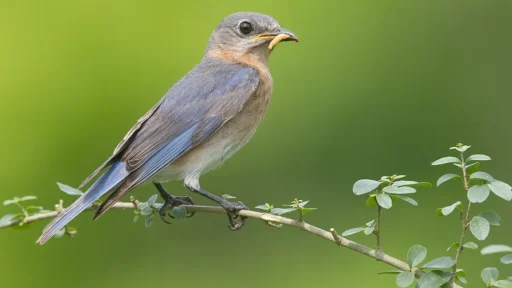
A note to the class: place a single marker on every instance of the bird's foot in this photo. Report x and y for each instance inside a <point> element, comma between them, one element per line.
<point>236,222</point>
<point>170,202</point>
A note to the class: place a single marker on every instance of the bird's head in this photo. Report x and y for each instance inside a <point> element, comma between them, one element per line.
<point>248,33</point>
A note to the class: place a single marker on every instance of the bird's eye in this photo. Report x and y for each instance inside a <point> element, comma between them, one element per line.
<point>245,28</point>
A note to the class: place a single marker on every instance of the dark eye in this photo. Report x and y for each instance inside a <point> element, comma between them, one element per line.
<point>245,28</point>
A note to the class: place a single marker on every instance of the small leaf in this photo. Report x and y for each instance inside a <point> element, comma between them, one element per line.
<point>262,207</point>
<point>404,279</point>
<point>416,255</point>
<point>462,279</point>
<point>390,272</point>
<point>453,246</point>
<point>493,249</point>
<point>135,218</point>
<point>34,208</point>
<point>69,190</point>
<point>493,218</point>
<point>480,227</point>
<point>478,157</point>
<point>60,233</point>
<point>369,230</point>
<point>7,219</point>
<point>406,199</point>
<point>228,197</point>
<point>440,263</point>
<point>303,203</point>
<point>304,211</point>
<point>370,224</point>
<point>371,201</point>
<point>434,279</point>
<point>179,212</point>
<point>396,177</point>
<point>503,284</point>
<point>490,275</point>
<point>445,211</point>
<point>281,211</point>
<point>149,220</point>
<point>446,160</point>
<point>447,177</point>
<point>507,259</point>
<point>399,190</point>
<point>404,183</point>
<point>462,148</point>
<point>478,193</point>
<point>481,175</point>
<point>11,201</point>
<point>500,189</point>
<point>152,200</point>
<point>364,186</point>
<point>353,231</point>
<point>384,200</point>
<point>472,168</point>
<point>470,245</point>
<point>26,198</point>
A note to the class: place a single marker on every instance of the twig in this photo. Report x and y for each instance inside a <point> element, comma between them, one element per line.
<point>463,219</point>
<point>341,241</point>
<point>377,231</point>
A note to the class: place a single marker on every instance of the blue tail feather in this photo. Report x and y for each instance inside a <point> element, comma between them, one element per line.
<point>108,181</point>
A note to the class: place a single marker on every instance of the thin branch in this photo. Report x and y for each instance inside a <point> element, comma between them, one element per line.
<point>463,219</point>
<point>377,231</point>
<point>267,218</point>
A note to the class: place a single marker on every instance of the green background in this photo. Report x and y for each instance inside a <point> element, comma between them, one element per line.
<point>373,88</point>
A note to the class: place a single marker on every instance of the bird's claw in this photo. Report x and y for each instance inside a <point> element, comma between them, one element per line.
<point>174,201</point>
<point>232,207</point>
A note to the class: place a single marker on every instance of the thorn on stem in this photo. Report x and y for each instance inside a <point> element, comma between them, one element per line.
<point>336,237</point>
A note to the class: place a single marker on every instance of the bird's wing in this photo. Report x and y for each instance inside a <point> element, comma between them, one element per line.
<point>198,105</point>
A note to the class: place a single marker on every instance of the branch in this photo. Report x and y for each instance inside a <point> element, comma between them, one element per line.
<point>267,218</point>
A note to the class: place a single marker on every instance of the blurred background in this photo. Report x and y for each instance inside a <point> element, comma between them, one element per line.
<point>373,88</point>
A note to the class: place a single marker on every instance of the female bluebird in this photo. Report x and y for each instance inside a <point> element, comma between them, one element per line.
<point>199,123</point>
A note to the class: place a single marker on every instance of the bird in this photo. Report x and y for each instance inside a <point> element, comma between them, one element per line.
<point>201,121</point>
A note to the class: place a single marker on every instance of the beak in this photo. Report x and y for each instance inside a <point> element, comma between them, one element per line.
<point>276,37</point>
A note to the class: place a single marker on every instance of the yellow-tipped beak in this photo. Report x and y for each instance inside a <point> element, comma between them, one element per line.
<point>275,38</point>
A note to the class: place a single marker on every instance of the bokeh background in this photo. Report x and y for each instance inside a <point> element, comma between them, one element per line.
<point>373,88</point>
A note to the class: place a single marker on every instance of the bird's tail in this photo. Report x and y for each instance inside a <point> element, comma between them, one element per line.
<point>108,181</point>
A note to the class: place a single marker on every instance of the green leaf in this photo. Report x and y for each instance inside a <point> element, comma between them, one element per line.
<point>228,197</point>
<point>262,207</point>
<point>399,190</point>
<point>406,199</point>
<point>384,200</point>
<point>490,275</point>
<point>11,201</point>
<point>493,249</point>
<point>369,230</point>
<point>500,189</point>
<point>478,193</point>
<point>472,168</point>
<point>179,212</point>
<point>478,157</point>
<point>69,190</point>
<point>34,208</point>
<point>370,224</point>
<point>135,218</point>
<point>416,255</point>
<point>371,201</point>
<point>493,218</point>
<point>396,177</point>
<point>404,279</point>
<point>503,284</point>
<point>281,211</point>
<point>304,211</point>
<point>481,175</point>
<point>447,177</point>
<point>303,203</point>
<point>480,227</point>
<point>152,200</point>
<point>26,198</point>
<point>433,279</point>
<point>60,233</point>
<point>7,219</point>
<point>470,245</point>
<point>364,186</point>
<point>445,211</point>
<point>353,231</point>
<point>445,160</point>
<point>453,246</point>
<point>390,272</point>
<point>149,221</point>
<point>507,259</point>
<point>440,263</point>
<point>404,183</point>
<point>462,148</point>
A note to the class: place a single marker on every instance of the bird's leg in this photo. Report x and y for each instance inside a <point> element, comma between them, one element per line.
<point>171,201</point>
<point>230,207</point>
